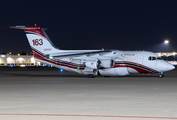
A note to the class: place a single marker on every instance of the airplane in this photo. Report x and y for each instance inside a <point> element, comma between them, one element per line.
<point>93,62</point>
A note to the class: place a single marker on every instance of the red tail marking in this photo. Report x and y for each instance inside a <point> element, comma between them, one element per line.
<point>37,30</point>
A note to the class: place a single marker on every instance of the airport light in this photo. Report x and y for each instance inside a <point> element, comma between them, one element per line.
<point>166,41</point>
<point>166,44</point>
<point>3,56</point>
<point>174,55</point>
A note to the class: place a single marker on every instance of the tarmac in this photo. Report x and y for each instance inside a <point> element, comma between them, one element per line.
<point>48,94</point>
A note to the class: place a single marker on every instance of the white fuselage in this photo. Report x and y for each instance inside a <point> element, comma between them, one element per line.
<point>125,63</point>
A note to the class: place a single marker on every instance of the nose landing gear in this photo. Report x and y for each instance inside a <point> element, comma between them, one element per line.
<point>161,75</point>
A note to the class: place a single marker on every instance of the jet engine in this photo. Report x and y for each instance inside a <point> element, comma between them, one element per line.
<point>93,64</point>
<point>107,63</point>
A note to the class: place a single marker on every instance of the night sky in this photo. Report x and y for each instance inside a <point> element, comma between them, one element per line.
<point>92,24</point>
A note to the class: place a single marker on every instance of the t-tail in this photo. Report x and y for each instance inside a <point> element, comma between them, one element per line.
<point>38,39</point>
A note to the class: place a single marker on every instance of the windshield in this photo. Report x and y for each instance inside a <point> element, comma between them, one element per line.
<point>151,58</point>
<point>159,58</point>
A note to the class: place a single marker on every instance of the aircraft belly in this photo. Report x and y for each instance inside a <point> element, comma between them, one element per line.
<point>120,67</point>
<point>131,70</point>
<point>122,71</point>
<point>87,71</point>
<point>108,72</point>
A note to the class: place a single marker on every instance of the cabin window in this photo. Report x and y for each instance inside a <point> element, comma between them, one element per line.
<point>130,59</point>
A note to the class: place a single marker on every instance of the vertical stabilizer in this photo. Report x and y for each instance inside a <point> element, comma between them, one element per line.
<point>38,39</point>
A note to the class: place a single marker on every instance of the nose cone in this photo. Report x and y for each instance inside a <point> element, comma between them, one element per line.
<point>164,66</point>
<point>169,67</point>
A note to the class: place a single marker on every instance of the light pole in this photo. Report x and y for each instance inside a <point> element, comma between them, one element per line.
<point>166,43</point>
<point>174,55</point>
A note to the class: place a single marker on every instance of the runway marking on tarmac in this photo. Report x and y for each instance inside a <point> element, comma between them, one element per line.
<point>72,115</point>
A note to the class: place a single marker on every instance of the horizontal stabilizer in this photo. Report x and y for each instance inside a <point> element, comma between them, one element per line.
<point>23,27</point>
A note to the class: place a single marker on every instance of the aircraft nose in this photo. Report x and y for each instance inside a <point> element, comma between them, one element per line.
<point>170,67</point>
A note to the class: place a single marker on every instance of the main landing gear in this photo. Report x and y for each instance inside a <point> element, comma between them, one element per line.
<point>91,75</point>
<point>161,75</point>
<point>95,73</point>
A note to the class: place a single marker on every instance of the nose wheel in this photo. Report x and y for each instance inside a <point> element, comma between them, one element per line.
<point>161,75</point>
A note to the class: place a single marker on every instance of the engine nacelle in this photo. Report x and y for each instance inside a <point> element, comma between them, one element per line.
<point>93,64</point>
<point>107,63</point>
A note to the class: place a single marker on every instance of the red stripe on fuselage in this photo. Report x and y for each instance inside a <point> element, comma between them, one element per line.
<point>37,56</point>
<point>37,50</point>
<point>141,65</point>
<point>138,68</point>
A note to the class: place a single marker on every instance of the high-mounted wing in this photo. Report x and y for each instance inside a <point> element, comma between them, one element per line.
<point>82,53</point>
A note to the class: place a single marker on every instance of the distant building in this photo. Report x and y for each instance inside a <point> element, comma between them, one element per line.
<point>167,53</point>
<point>171,57</point>
<point>18,60</point>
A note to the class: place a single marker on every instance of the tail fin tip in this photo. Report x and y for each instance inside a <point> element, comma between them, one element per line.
<point>6,27</point>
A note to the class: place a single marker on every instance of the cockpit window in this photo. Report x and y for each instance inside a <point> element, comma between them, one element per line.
<point>159,58</point>
<point>151,58</point>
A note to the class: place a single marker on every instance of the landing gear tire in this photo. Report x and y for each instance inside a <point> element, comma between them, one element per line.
<point>91,75</point>
<point>161,75</point>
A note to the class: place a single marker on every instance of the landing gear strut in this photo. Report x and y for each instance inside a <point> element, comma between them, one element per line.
<point>161,75</point>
